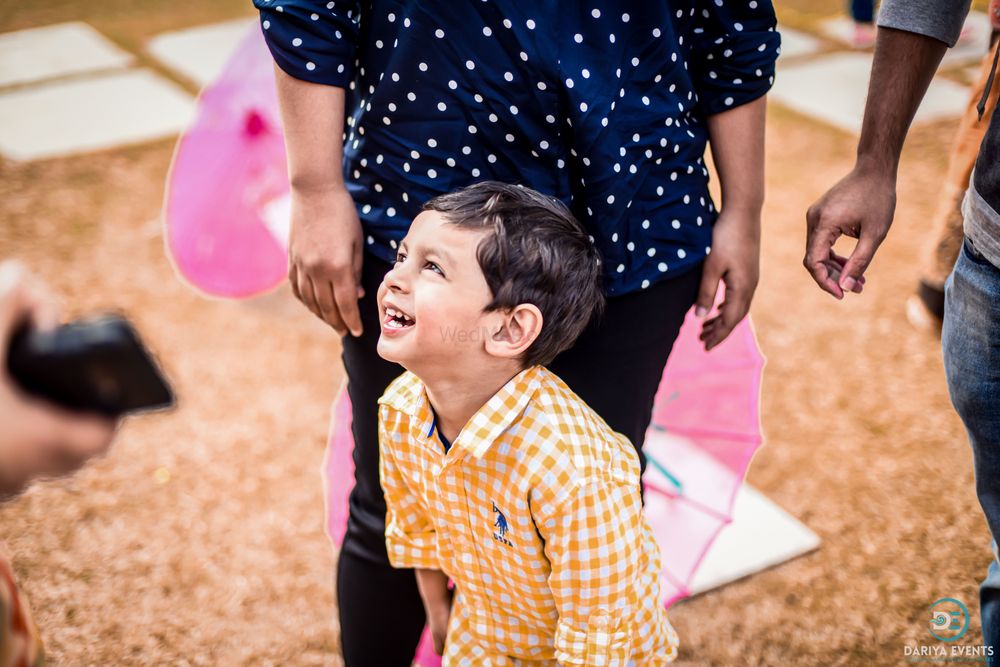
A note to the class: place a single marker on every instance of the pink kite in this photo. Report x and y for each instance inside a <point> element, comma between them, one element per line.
<point>228,168</point>
<point>226,222</point>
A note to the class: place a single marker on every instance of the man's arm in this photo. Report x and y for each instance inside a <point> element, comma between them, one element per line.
<point>862,204</point>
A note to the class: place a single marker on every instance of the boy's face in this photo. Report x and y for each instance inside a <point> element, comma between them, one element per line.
<point>431,302</point>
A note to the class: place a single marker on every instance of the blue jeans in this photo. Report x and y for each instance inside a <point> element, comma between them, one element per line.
<point>970,338</point>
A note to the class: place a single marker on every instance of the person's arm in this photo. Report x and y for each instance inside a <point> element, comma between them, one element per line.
<point>325,242</point>
<point>862,204</point>
<point>410,538</point>
<point>38,439</point>
<point>737,141</point>
<point>733,50</point>
<point>593,544</point>
<point>433,586</point>
<point>314,50</point>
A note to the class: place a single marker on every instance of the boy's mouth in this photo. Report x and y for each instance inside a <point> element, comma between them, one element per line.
<point>397,319</point>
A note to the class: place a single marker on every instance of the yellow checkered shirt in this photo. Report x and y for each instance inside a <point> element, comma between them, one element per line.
<point>535,514</point>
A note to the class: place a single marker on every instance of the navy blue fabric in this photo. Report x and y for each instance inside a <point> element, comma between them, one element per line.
<point>444,441</point>
<point>602,104</point>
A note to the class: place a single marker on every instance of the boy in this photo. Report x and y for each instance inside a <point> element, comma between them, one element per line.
<point>495,474</point>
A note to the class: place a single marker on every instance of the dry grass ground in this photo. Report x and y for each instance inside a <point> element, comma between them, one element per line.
<point>199,539</point>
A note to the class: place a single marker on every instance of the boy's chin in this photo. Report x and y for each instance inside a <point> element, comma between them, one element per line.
<point>389,350</point>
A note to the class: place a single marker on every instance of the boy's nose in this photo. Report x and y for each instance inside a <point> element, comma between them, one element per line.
<point>394,280</point>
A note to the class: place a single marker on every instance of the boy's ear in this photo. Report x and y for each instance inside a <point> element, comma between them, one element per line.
<point>513,331</point>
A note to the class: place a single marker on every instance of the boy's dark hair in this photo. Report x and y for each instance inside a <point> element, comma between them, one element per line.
<point>537,253</point>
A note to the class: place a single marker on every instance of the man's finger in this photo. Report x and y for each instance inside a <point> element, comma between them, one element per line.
<point>819,244</point>
<point>838,261</point>
<point>834,269</point>
<point>858,262</point>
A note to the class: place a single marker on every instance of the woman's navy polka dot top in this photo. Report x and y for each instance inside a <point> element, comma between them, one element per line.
<point>601,103</point>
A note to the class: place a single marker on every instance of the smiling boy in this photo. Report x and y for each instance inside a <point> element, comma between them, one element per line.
<point>496,475</point>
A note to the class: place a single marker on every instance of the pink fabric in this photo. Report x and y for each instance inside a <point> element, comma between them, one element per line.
<point>227,167</point>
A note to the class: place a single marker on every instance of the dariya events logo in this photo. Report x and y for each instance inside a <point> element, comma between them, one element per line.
<point>948,623</point>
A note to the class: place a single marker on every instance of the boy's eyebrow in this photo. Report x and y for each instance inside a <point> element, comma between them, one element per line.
<point>440,253</point>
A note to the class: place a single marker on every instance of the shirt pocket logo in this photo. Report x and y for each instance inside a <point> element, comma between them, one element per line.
<point>501,527</point>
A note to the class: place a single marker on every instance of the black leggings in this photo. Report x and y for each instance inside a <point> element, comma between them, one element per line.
<point>615,367</point>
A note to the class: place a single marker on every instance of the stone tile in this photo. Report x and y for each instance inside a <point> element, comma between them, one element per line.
<point>833,89</point>
<point>62,118</point>
<point>56,50</point>
<point>970,48</point>
<point>761,535</point>
<point>795,43</point>
<point>200,53</point>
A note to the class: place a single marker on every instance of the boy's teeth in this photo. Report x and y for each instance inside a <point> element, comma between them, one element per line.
<point>391,312</point>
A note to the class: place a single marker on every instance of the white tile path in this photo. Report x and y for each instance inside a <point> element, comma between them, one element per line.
<point>795,43</point>
<point>761,535</point>
<point>56,50</point>
<point>199,53</point>
<point>90,114</point>
<point>970,49</point>
<point>833,89</point>
<point>54,118</point>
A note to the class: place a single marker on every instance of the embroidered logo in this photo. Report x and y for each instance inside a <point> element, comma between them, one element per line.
<point>501,527</point>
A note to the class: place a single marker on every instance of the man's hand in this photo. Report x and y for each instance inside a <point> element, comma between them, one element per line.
<point>861,206</point>
<point>735,260</point>
<point>37,438</point>
<point>324,256</point>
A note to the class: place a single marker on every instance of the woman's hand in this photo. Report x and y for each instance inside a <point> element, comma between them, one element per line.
<point>325,254</point>
<point>735,260</point>
<point>737,140</point>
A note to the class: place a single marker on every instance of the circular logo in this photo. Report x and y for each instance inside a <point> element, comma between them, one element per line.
<point>949,620</point>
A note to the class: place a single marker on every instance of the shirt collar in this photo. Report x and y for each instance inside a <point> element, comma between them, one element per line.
<point>408,395</point>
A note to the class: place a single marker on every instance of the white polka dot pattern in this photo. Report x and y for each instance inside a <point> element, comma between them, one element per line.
<point>602,106</point>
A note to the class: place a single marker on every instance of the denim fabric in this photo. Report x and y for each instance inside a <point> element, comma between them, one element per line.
<point>971,343</point>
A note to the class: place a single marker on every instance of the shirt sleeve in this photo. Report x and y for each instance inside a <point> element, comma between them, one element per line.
<point>410,538</point>
<point>734,47</point>
<point>312,40</point>
<point>593,541</point>
<point>940,19</point>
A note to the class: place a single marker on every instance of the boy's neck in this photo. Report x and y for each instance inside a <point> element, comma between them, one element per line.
<point>455,398</point>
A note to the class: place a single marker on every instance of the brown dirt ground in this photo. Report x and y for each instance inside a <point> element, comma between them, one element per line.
<point>199,539</point>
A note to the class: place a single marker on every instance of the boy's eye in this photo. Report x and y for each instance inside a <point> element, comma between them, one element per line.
<point>434,267</point>
<point>400,257</point>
